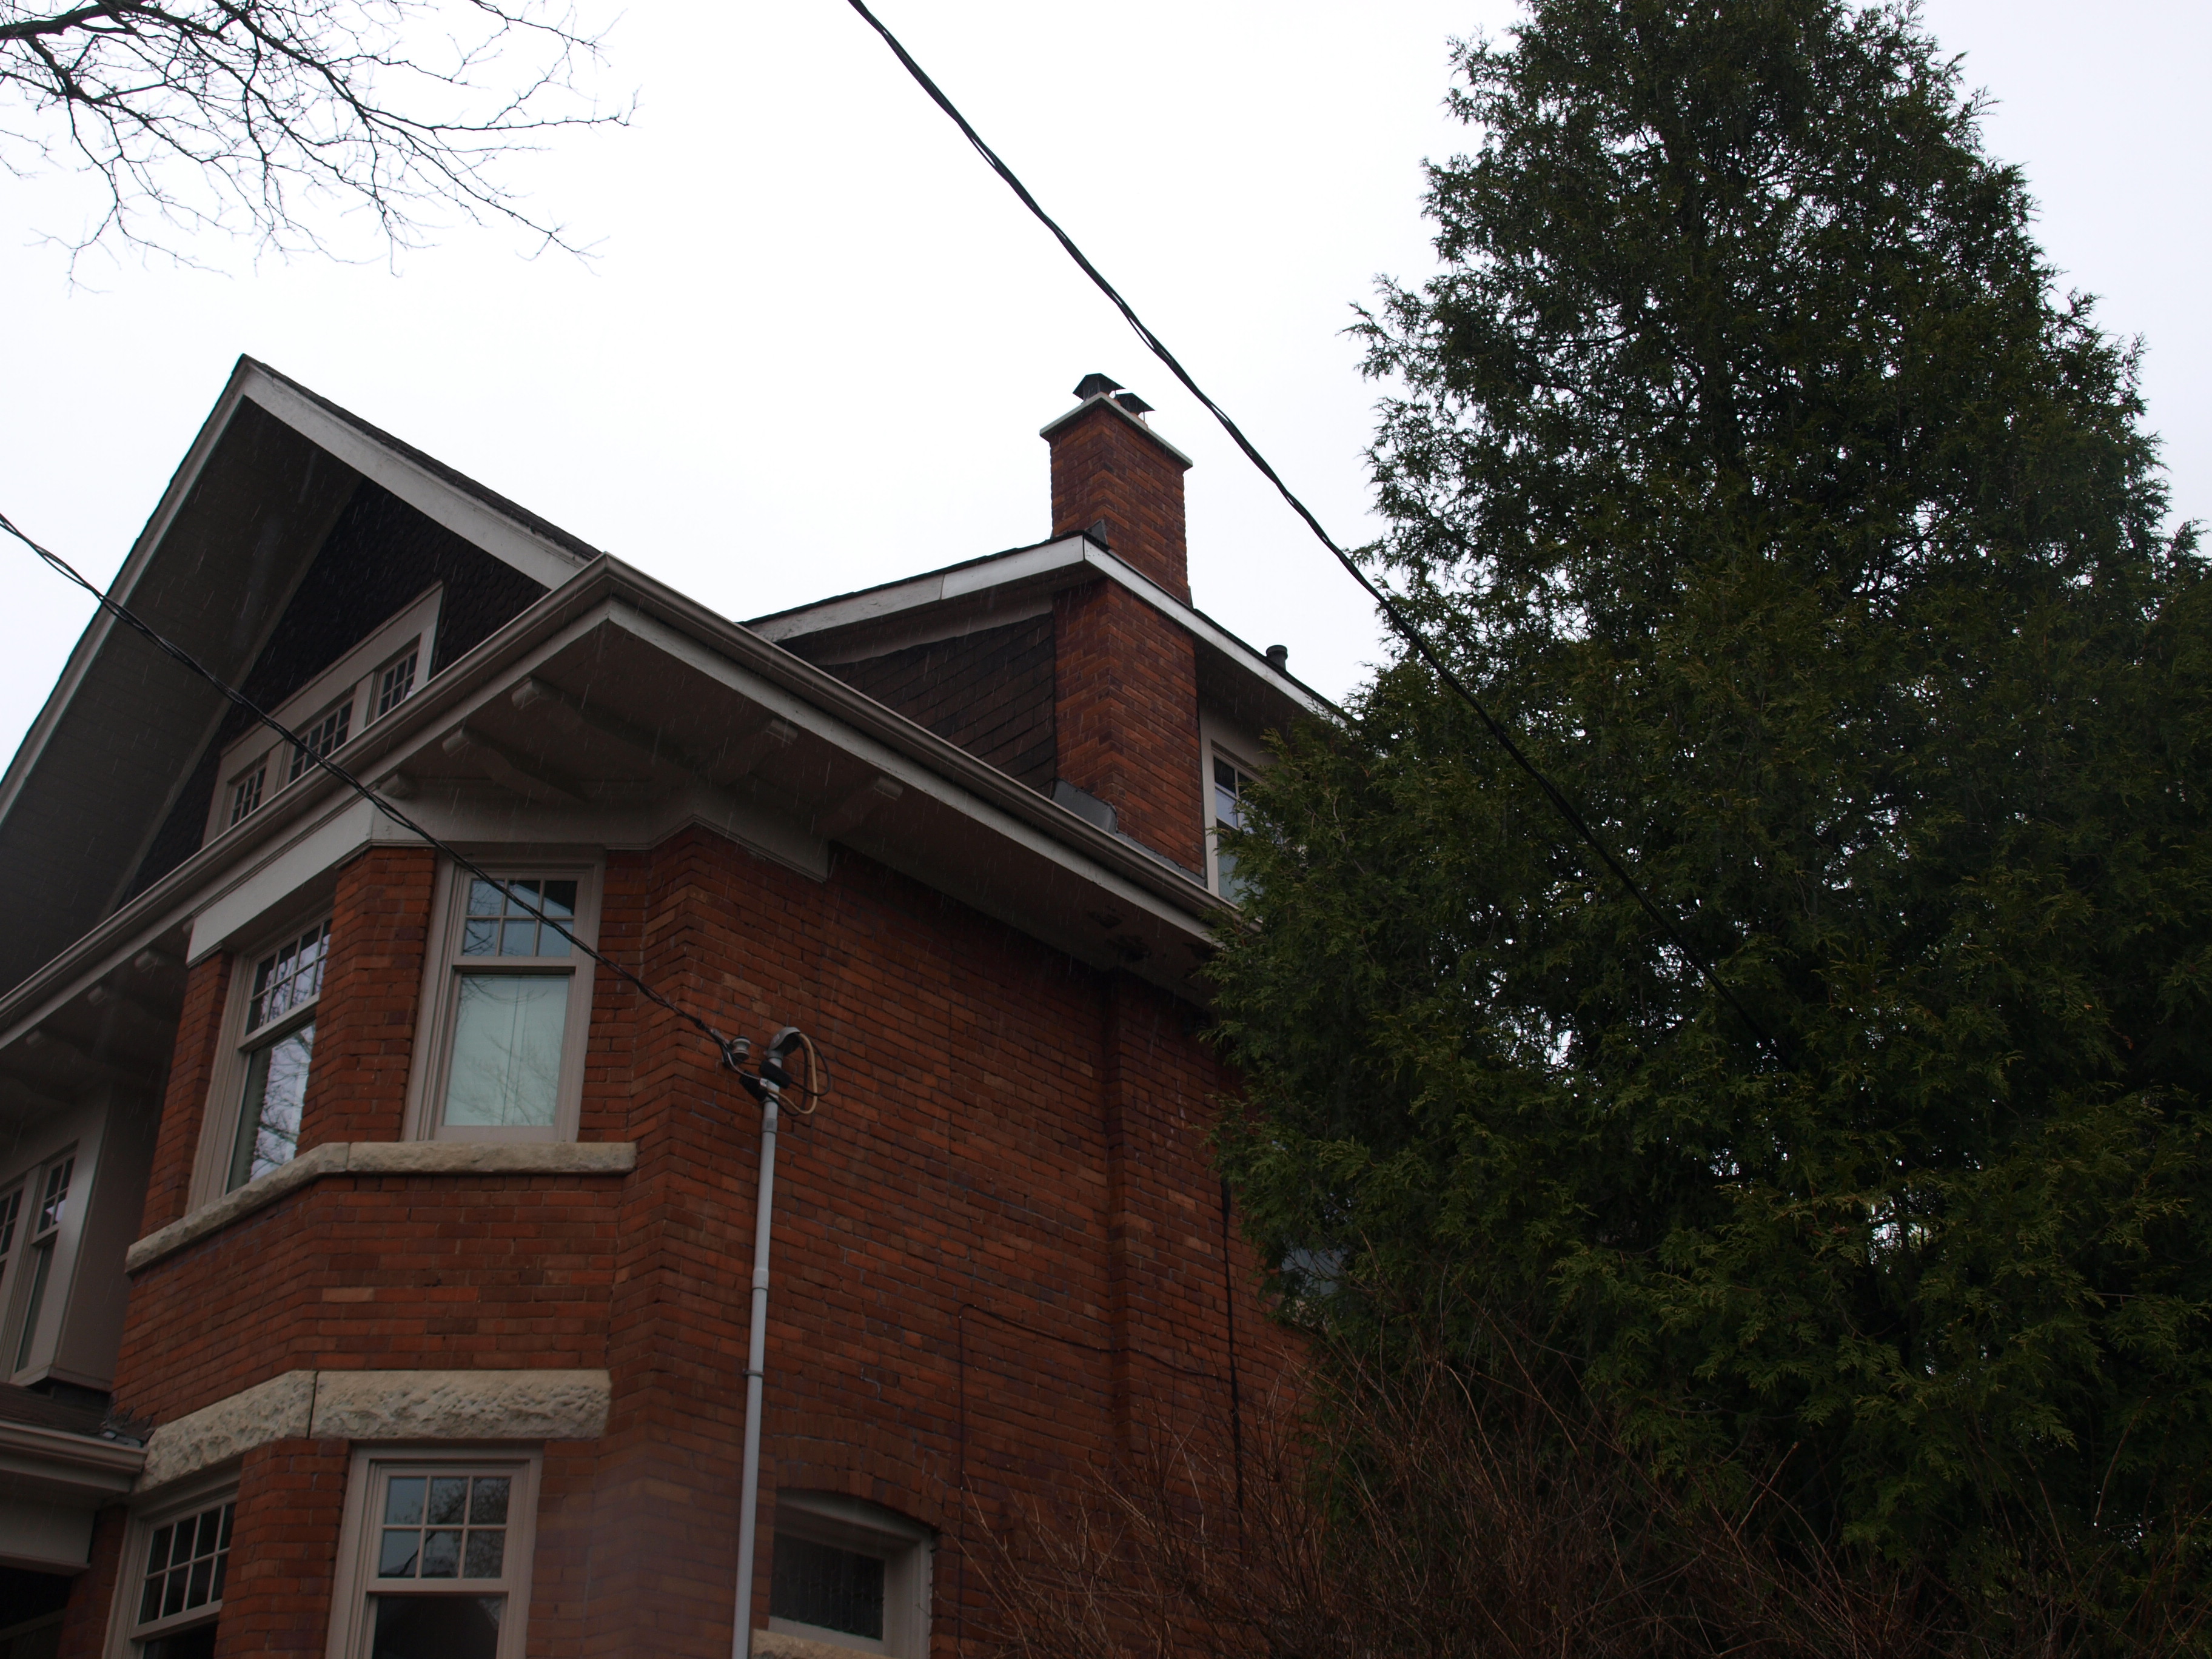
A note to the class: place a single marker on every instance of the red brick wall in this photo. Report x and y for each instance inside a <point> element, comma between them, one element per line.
<point>997,1247</point>
<point>283,1549</point>
<point>365,1023</point>
<point>1127,716</point>
<point>1105,465</point>
<point>184,1102</point>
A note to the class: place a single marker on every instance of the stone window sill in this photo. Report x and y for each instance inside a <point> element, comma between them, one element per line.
<point>384,1157</point>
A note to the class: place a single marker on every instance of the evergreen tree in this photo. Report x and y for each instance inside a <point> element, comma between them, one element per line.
<point>1746,459</point>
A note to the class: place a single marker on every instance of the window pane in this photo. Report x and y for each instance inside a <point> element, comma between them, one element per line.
<point>396,1559</point>
<point>441,1554</point>
<point>402,1500</point>
<point>268,1115</point>
<point>504,918</point>
<point>197,1644</point>
<point>437,1627</point>
<point>487,1554</point>
<point>449,1498</point>
<point>488,1507</point>
<point>822,1585</point>
<point>507,1051</point>
<point>40,1267</point>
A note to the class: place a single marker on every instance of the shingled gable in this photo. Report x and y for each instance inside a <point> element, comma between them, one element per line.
<point>271,473</point>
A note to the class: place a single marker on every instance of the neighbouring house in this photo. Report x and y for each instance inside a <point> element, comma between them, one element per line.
<point>373,1267</point>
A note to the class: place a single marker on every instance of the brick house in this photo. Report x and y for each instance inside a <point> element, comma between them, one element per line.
<point>372,1267</point>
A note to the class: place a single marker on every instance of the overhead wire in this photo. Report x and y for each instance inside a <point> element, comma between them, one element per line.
<point>1399,621</point>
<point>730,1049</point>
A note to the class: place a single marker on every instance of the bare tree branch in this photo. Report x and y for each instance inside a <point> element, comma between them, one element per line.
<point>244,116</point>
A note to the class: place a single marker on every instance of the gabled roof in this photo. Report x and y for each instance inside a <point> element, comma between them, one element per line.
<point>881,618</point>
<point>238,527</point>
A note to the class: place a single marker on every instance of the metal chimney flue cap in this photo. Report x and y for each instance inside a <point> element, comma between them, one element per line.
<point>1095,386</point>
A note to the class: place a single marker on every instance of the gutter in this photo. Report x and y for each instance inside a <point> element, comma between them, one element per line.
<point>171,901</point>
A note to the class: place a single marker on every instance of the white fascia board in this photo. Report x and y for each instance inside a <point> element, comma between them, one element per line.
<point>787,685</point>
<point>876,603</point>
<point>909,772</point>
<point>470,519</point>
<point>285,870</point>
<point>96,631</point>
<point>1197,623</point>
<point>1073,555</point>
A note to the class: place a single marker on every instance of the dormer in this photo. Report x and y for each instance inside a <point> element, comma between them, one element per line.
<point>360,687</point>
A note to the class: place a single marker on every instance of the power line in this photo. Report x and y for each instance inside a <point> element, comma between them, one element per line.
<point>1405,628</point>
<point>730,1047</point>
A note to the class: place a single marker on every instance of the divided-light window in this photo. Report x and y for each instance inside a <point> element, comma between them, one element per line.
<point>395,681</point>
<point>440,1560</point>
<point>49,1189</point>
<point>245,791</point>
<point>276,1049</point>
<point>512,1009</point>
<point>328,732</point>
<point>176,1584</point>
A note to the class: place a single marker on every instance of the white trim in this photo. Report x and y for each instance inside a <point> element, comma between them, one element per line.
<point>356,1579</point>
<point>352,676</point>
<point>474,522</point>
<point>123,1638</point>
<point>219,1112</point>
<point>905,1546</point>
<point>435,1004</point>
<point>102,625</point>
<point>1067,561</point>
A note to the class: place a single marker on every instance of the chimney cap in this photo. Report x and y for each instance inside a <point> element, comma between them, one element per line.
<point>1097,386</point>
<point>1136,405</point>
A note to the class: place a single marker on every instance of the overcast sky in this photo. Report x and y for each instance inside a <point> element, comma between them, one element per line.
<point>818,338</point>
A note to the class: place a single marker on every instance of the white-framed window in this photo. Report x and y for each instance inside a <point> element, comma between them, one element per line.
<point>275,1050</point>
<point>11,1214</point>
<point>851,1574</point>
<point>371,679</point>
<point>1226,801</point>
<point>436,1556</point>
<point>327,730</point>
<point>394,683</point>
<point>46,1197</point>
<point>254,1101</point>
<point>507,1002</point>
<point>176,1558</point>
<point>246,790</point>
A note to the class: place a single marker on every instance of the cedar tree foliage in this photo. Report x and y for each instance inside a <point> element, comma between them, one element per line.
<point>1746,458</point>
<point>191,115</point>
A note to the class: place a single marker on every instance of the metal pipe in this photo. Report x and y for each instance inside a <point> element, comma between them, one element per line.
<point>741,1637</point>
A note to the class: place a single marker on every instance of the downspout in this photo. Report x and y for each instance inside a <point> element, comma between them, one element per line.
<point>767,1088</point>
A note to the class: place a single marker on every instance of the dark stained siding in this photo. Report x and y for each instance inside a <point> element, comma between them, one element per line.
<point>990,692</point>
<point>380,554</point>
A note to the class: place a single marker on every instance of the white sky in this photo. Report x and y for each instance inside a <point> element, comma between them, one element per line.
<point>819,339</point>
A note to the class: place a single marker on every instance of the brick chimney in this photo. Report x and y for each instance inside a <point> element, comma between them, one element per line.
<point>1110,469</point>
<point>1126,675</point>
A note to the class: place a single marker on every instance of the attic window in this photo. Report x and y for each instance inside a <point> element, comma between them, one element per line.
<point>396,680</point>
<point>328,733</point>
<point>245,791</point>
